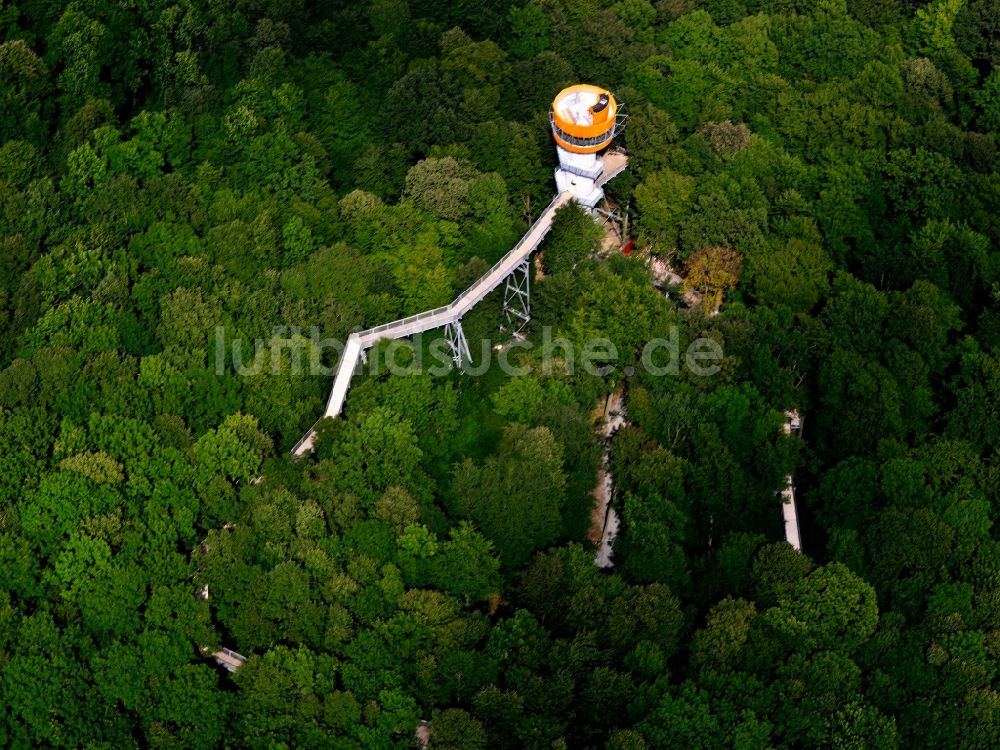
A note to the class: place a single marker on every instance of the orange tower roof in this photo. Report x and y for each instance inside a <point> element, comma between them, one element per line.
<point>583,118</point>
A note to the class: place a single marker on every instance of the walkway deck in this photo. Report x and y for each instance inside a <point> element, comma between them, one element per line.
<point>615,163</point>
<point>229,659</point>
<point>441,316</point>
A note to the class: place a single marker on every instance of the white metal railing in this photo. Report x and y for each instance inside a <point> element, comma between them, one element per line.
<point>229,659</point>
<point>404,321</point>
<point>304,438</point>
<point>443,315</point>
<point>457,305</point>
<point>449,313</point>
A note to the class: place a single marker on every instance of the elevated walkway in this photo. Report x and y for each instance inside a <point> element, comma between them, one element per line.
<point>227,658</point>
<point>614,164</point>
<point>449,315</point>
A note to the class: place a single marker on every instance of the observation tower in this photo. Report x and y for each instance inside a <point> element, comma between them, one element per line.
<point>585,119</point>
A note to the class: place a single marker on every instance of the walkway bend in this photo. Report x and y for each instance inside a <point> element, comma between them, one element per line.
<point>359,342</point>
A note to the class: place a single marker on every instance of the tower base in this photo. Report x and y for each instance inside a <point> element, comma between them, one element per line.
<point>578,174</point>
<point>584,191</point>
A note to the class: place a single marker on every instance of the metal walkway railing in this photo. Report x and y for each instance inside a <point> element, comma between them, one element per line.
<point>357,343</point>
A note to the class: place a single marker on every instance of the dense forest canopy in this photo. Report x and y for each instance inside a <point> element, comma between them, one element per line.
<point>177,172</point>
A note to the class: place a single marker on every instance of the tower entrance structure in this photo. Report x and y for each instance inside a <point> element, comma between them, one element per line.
<point>585,119</point>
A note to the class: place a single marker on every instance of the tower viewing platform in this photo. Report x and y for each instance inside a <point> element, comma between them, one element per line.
<point>584,119</point>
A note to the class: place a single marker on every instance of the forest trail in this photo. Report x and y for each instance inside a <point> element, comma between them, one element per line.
<point>603,519</point>
<point>793,425</point>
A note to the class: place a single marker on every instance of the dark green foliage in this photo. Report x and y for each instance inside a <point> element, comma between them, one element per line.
<point>572,240</point>
<point>517,497</point>
<point>198,199</point>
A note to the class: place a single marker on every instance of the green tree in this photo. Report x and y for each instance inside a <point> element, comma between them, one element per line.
<point>651,546</point>
<point>466,565</point>
<point>573,238</point>
<point>682,718</point>
<point>455,729</point>
<point>24,78</point>
<point>441,186</point>
<point>831,608</point>
<point>530,28</point>
<point>663,201</point>
<point>793,274</point>
<point>234,451</point>
<point>516,496</point>
<point>187,709</point>
<point>375,453</point>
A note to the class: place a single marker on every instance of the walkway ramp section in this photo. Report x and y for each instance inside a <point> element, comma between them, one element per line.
<point>789,515</point>
<point>229,659</point>
<point>614,164</point>
<point>357,343</point>
<point>793,425</point>
<point>439,317</point>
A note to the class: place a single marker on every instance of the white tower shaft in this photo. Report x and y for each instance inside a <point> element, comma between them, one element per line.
<point>579,174</point>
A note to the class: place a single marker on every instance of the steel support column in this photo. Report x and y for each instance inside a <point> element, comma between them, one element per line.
<point>457,344</point>
<point>517,298</point>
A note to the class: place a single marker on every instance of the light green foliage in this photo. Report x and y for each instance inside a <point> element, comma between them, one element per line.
<point>663,201</point>
<point>682,719</point>
<point>297,239</point>
<point>76,42</point>
<point>188,321</point>
<point>639,16</point>
<point>794,274</point>
<point>25,76</point>
<point>571,241</point>
<point>519,398</point>
<point>830,609</point>
<point>648,137</point>
<point>726,631</point>
<point>441,186</point>
<point>479,67</point>
<point>234,451</point>
<point>530,29</point>
<point>653,551</point>
<point>99,467</point>
<point>623,311</point>
<point>988,98</point>
<point>375,453</point>
<point>88,326</point>
<point>91,166</point>
<point>934,24</point>
<point>467,565</point>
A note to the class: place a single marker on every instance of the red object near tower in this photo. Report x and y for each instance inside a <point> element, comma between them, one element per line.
<point>628,247</point>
